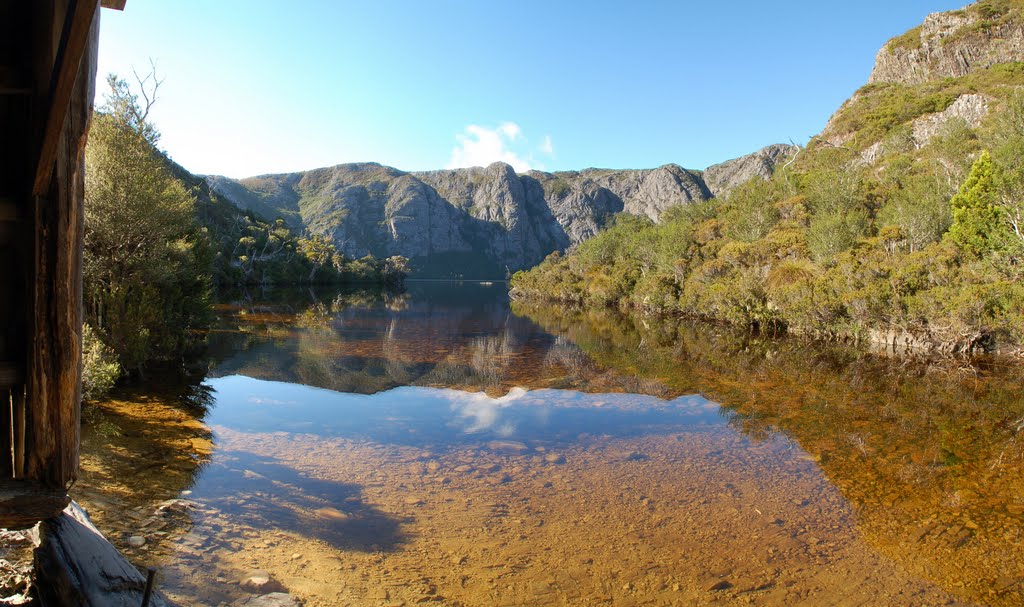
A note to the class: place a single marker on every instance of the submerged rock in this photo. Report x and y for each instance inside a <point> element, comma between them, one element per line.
<point>261,582</point>
<point>274,599</point>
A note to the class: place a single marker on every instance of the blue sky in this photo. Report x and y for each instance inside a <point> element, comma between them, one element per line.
<point>264,86</point>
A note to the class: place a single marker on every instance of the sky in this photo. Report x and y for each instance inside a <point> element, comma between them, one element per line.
<point>262,86</point>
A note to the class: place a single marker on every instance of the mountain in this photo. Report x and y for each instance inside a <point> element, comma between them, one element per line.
<point>953,44</point>
<point>952,68</point>
<point>901,223</point>
<point>476,222</point>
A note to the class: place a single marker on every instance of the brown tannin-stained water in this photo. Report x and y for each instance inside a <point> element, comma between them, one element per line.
<point>444,447</point>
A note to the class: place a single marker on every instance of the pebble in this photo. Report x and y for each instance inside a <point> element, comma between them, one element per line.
<point>331,513</point>
<point>136,541</point>
<point>508,446</point>
<point>554,458</point>
<point>260,582</point>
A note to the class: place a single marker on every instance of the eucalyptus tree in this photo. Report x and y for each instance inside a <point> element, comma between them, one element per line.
<point>146,276</point>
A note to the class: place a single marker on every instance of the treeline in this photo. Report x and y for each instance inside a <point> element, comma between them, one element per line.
<point>158,244</point>
<point>924,246</point>
<point>249,250</point>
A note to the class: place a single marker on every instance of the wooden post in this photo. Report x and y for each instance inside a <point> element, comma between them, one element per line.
<point>18,431</point>
<point>54,368</point>
<point>6,435</point>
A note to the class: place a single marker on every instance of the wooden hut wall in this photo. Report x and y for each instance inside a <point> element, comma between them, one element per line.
<point>47,76</point>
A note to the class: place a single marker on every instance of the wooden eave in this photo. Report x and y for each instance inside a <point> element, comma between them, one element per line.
<point>69,56</point>
<point>72,46</point>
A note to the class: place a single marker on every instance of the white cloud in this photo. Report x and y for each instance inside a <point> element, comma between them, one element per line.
<point>480,146</point>
<point>547,146</point>
<point>511,130</point>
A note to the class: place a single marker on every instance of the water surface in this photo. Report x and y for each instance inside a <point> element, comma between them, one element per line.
<point>442,446</point>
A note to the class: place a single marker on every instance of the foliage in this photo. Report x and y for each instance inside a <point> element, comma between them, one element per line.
<point>146,281</point>
<point>910,40</point>
<point>100,370</point>
<point>877,109</point>
<point>157,240</point>
<point>977,218</point>
<point>924,244</point>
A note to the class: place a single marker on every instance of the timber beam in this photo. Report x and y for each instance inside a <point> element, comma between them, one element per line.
<point>73,42</point>
<point>24,503</point>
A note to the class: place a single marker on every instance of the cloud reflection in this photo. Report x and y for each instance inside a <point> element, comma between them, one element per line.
<point>485,411</point>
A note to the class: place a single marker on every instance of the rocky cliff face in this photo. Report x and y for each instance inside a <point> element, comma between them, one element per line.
<point>959,64</point>
<point>723,177</point>
<point>953,44</point>
<point>476,222</point>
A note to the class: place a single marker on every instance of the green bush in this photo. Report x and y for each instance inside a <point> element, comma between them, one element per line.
<point>100,370</point>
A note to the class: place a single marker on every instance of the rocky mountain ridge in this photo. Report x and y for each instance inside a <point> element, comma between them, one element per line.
<point>952,69</point>
<point>480,222</point>
<point>953,44</point>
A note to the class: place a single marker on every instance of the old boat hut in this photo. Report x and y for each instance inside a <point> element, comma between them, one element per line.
<point>48,54</point>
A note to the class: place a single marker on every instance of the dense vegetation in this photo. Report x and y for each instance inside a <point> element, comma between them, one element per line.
<point>923,242</point>
<point>158,242</point>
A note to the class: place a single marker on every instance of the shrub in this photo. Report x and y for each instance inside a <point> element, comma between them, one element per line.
<point>100,370</point>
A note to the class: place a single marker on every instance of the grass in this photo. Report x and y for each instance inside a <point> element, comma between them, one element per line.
<point>909,41</point>
<point>881,107</point>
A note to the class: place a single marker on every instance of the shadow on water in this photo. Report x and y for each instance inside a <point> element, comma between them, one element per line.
<point>265,494</point>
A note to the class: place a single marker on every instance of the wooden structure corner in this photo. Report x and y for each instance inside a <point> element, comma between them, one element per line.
<point>48,53</point>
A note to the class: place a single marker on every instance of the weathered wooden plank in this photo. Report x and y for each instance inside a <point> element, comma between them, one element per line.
<point>76,565</point>
<point>6,435</point>
<point>23,503</point>
<point>18,430</point>
<point>53,376</point>
<point>73,47</point>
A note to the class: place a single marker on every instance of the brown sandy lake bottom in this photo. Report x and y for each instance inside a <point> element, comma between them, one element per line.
<point>445,448</point>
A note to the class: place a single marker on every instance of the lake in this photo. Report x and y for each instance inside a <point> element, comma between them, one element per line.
<point>445,446</point>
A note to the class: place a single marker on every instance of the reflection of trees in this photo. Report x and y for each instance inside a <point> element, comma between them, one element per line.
<point>363,344</point>
<point>929,453</point>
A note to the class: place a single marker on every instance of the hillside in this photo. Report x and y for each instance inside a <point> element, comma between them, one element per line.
<point>476,222</point>
<point>901,223</point>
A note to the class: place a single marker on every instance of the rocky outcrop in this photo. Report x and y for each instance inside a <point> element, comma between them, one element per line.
<point>953,44</point>
<point>970,108</point>
<point>477,222</point>
<point>723,177</point>
<point>481,222</point>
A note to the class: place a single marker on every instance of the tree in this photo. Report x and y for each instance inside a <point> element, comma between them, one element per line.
<point>319,250</point>
<point>977,215</point>
<point>146,261</point>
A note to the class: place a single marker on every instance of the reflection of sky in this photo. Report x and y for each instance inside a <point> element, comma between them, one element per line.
<point>415,415</point>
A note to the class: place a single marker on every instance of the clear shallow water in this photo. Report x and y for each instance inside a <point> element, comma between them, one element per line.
<point>442,446</point>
